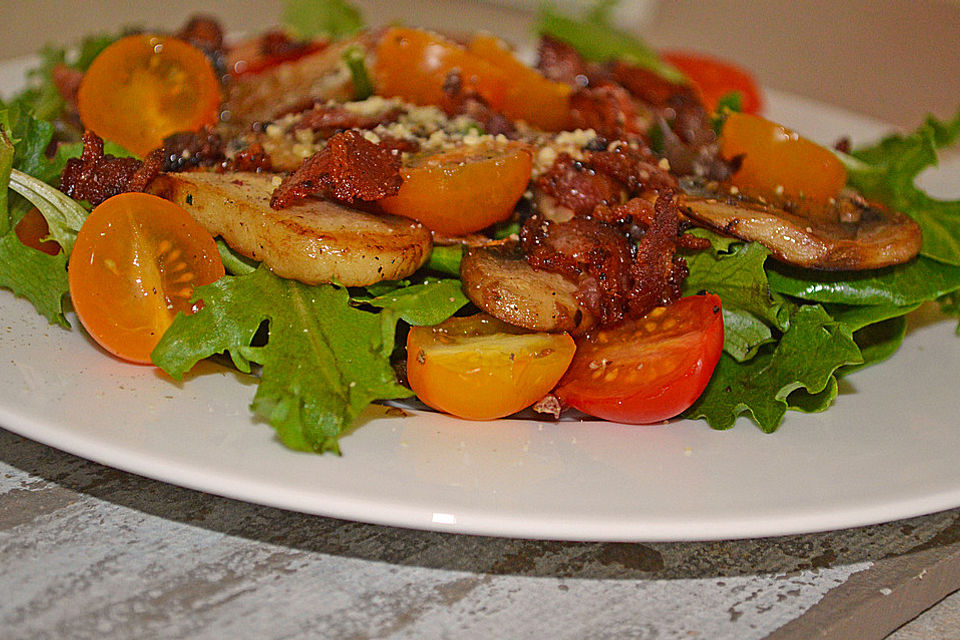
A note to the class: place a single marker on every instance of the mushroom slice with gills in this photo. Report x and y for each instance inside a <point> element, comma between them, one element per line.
<point>846,235</point>
<point>499,280</point>
<point>316,241</point>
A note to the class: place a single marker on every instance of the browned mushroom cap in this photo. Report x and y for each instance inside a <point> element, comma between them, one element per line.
<point>499,280</point>
<point>850,235</point>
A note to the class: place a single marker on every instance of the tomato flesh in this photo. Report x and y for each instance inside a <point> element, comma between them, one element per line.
<point>480,368</point>
<point>464,190</point>
<point>414,65</point>
<point>530,96</point>
<point>779,164</point>
<point>143,88</point>
<point>134,266</point>
<point>647,370</point>
<point>715,78</point>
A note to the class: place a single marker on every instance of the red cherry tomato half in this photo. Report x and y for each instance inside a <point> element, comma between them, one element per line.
<point>647,370</point>
<point>134,265</point>
<point>32,231</point>
<point>716,78</point>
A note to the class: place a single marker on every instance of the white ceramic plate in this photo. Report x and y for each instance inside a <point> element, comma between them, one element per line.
<point>887,450</point>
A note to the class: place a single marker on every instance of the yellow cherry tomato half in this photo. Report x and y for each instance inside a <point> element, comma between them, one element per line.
<point>480,368</point>
<point>530,96</point>
<point>134,266</point>
<point>464,190</point>
<point>778,163</point>
<point>414,64</point>
<point>143,88</point>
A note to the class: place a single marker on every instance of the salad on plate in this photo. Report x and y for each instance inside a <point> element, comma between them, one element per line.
<point>363,214</point>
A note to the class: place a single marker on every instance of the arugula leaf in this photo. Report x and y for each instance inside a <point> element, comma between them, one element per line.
<point>886,172</point>
<point>308,19</point>
<point>917,281</point>
<point>596,40</point>
<point>324,361</point>
<point>761,386</point>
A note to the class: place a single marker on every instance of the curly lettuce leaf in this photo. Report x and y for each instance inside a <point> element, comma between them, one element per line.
<point>787,375</point>
<point>323,361</point>
<point>735,272</point>
<point>38,277</point>
<point>887,170</point>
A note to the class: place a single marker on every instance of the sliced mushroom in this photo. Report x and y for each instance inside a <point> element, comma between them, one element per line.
<point>499,280</point>
<point>849,235</point>
<point>314,242</point>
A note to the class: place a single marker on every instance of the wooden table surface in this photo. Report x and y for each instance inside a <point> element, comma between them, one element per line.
<point>87,551</point>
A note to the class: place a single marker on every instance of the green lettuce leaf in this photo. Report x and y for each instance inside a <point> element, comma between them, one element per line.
<point>596,40</point>
<point>887,171</point>
<point>323,361</point>
<point>308,19</point>
<point>425,304</point>
<point>763,385</point>
<point>735,272</point>
<point>917,281</point>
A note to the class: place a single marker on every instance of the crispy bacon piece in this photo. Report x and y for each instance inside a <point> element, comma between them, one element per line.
<point>348,168</point>
<point>614,281</point>
<point>609,110</point>
<point>252,158</point>
<point>328,119</point>
<point>591,253</point>
<point>96,176</point>
<point>560,62</point>
<point>576,186</point>
<point>657,271</point>
<point>636,167</point>
<point>458,100</point>
<point>203,148</point>
<point>203,32</point>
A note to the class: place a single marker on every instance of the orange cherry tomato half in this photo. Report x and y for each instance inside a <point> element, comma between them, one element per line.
<point>143,88</point>
<point>134,266</point>
<point>715,78</point>
<point>32,231</point>
<point>414,65</point>
<point>464,190</point>
<point>647,370</point>
<point>778,163</point>
<point>480,368</point>
<point>530,96</point>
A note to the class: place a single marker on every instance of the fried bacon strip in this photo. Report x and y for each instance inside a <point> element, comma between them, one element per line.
<point>329,119</point>
<point>614,281</point>
<point>96,176</point>
<point>349,168</point>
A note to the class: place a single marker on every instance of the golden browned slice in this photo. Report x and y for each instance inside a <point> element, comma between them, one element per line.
<point>849,235</point>
<point>290,86</point>
<point>499,280</point>
<point>314,242</point>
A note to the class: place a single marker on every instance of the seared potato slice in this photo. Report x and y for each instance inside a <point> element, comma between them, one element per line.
<point>314,242</point>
